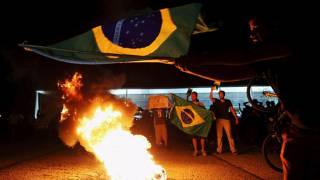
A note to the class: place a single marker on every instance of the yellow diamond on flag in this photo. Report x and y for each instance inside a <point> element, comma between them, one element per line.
<point>188,116</point>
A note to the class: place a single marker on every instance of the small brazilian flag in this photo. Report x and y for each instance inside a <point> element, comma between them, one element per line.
<point>157,36</point>
<point>190,118</point>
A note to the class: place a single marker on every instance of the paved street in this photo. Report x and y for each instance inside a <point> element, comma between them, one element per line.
<point>49,159</point>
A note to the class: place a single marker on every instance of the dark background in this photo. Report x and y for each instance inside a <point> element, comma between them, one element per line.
<point>47,22</point>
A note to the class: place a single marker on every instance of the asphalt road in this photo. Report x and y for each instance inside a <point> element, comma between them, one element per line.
<point>50,159</point>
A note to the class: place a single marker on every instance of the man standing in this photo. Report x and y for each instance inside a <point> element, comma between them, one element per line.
<point>159,105</point>
<point>222,108</point>
<point>159,117</point>
<point>195,100</point>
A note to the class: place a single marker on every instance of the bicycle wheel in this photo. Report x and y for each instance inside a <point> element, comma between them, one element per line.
<point>271,149</point>
<point>255,83</point>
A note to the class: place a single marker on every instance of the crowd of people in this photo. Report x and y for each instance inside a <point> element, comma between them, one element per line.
<point>250,128</point>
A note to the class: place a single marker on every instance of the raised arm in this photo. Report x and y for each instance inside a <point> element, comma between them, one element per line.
<point>211,94</point>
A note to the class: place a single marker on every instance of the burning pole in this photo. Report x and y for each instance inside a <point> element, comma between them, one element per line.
<point>101,125</point>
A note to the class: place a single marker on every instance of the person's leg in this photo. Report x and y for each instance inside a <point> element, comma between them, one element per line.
<point>195,146</point>
<point>285,164</point>
<point>227,128</point>
<point>203,151</point>
<point>157,135</point>
<point>219,135</point>
<point>164,135</point>
<point>293,168</point>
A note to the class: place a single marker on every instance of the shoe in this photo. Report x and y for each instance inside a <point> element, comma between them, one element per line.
<point>195,153</point>
<point>219,152</point>
<point>235,153</point>
<point>203,153</point>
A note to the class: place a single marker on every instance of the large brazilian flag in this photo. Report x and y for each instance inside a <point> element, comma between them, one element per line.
<point>190,118</point>
<point>158,36</point>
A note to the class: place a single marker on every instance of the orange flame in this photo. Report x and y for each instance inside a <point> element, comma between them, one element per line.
<point>124,155</point>
<point>71,92</point>
<point>71,88</point>
<point>103,129</point>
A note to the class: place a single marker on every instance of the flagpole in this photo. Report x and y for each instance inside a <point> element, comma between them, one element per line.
<point>137,59</point>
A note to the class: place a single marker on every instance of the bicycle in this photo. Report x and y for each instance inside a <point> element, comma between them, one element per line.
<point>272,144</point>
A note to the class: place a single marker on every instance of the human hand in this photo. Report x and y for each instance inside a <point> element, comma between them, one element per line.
<point>237,121</point>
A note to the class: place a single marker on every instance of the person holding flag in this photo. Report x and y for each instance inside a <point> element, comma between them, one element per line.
<point>193,119</point>
<point>195,100</point>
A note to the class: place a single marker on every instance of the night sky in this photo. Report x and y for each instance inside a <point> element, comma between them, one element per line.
<point>47,22</point>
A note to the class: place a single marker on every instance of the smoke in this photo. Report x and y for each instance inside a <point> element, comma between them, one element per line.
<point>67,132</point>
<point>103,82</point>
<point>96,96</point>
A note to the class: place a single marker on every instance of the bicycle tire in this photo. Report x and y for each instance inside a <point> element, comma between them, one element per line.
<point>272,142</point>
<point>262,109</point>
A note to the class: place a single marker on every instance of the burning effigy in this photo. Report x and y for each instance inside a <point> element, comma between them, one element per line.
<point>101,124</point>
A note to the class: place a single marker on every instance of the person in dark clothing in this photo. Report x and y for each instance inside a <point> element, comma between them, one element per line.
<point>222,108</point>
